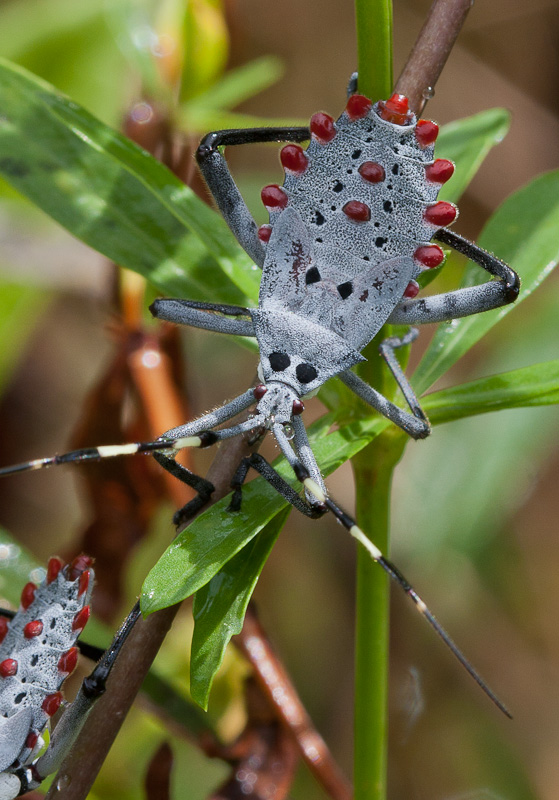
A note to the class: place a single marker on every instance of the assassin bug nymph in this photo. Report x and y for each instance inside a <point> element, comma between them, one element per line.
<point>355,222</point>
<point>38,650</point>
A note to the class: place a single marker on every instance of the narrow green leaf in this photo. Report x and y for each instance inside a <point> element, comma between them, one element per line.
<point>220,607</point>
<point>523,232</point>
<point>467,142</point>
<point>239,84</point>
<point>537,385</point>
<point>114,196</point>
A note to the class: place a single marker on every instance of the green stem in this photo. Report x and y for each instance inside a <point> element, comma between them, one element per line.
<point>373,469</point>
<point>374,47</point>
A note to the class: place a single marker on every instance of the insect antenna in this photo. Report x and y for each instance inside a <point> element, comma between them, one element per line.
<point>354,530</point>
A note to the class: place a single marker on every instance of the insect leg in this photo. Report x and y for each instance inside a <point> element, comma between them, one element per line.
<point>414,424</point>
<point>260,465</point>
<point>224,189</point>
<point>171,441</point>
<point>462,302</point>
<point>204,315</point>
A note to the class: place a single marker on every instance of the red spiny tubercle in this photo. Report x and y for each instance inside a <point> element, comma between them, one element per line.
<point>395,110</point>
<point>440,214</point>
<point>412,289</point>
<point>372,171</point>
<point>78,565</point>
<point>53,568</point>
<point>264,233</point>
<point>84,582</point>
<point>31,740</point>
<point>68,660</point>
<point>28,595</point>
<point>33,628</point>
<point>440,171</point>
<point>8,667</point>
<point>357,211</point>
<point>358,106</point>
<point>294,159</point>
<point>429,255</point>
<point>426,132</point>
<point>322,127</point>
<point>259,391</point>
<point>273,196</point>
<point>52,703</point>
<point>4,624</point>
<point>80,620</point>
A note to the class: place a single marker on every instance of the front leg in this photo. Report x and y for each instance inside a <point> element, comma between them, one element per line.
<point>229,200</point>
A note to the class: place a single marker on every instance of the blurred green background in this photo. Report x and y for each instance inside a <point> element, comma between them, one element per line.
<point>475,506</point>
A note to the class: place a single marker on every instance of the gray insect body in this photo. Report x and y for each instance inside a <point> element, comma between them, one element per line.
<point>36,656</point>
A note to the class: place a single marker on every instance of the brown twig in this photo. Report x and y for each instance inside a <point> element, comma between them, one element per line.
<point>276,685</point>
<point>431,50</point>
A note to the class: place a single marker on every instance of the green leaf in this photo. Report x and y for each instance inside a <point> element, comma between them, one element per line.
<point>239,84</point>
<point>537,385</point>
<point>467,142</point>
<point>523,232</point>
<point>220,607</point>
<point>114,196</point>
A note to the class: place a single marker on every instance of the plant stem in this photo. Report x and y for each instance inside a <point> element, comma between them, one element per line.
<point>374,47</point>
<point>431,50</point>
<point>373,469</point>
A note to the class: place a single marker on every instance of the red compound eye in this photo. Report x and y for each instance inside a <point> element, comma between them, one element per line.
<point>439,171</point>
<point>8,667</point>
<point>298,407</point>
<point>412,289</point>
<point>294,159</point>
<point>53,568</point>
<point>273,197</point>
<point>67,661</point>
<point>322,127</point>
<point>426,132</point>
<point>429,255</point>
<point>259,391</point>
<point>28,595</point>
<point>33,628</point>
<point>355,210</point>
<point>78,565</point>
<point>80,620</point>
<point>52,703</point>
<point>372,172</point>
<point>3,628</point>
<point>395,109</point>
<point>440,214</point>
<point>358,106</point>
<point>264,233</point>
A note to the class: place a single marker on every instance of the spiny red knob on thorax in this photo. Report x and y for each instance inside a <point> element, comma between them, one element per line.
<point>322,127</point>
<point>358,106</point>
<point>273,196</point>
<point>357,211</point>
<point>395,109</point>
<point>440,171</point>
<point>426,132</point>
<point>294,159</point>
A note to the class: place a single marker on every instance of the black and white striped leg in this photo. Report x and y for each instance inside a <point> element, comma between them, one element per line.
<point>193,434</point>
<point>354,530</point>
<point>222,186</point>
